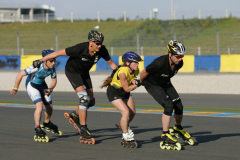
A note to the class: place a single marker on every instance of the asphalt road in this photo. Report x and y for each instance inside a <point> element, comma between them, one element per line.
<point>216,138</point>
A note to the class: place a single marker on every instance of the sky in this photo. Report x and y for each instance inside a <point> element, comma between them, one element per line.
<point>136,9</point>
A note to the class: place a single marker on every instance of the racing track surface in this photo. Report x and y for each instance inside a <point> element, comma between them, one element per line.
<point>215,138</point>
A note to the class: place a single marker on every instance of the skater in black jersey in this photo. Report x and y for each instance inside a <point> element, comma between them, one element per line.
<point>156,80</point>
<point>82,57</point>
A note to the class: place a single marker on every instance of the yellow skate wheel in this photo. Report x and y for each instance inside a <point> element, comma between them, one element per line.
<point>39,139</point>
<point>178,146</point>
<point>177,135</point>
<point>191,142</point>
<point>168,147</point>
<point>162,146</point>
<point>46,139</point>
<point>66,115</point>
<point>60,133</point>
<point>35,138</point>
<point>171,131</point>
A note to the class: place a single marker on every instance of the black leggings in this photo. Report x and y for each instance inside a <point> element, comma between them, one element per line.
<point>168,97</point>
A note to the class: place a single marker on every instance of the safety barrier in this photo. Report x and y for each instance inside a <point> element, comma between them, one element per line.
<point>192,63</point>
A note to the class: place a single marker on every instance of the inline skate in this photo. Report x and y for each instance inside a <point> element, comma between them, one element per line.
<point>40,135</point>
<point>50,127</point>
<point>73,118</point>
<point>128,140</point>
<point>85,135</point>
<point>168,142</point>
<point>181,133</point>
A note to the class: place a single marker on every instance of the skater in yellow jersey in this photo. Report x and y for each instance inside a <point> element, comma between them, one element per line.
<point>118,92</point>
<point>156,79</point>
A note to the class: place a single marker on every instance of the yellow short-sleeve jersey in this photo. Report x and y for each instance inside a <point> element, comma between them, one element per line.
<point>130,77</point>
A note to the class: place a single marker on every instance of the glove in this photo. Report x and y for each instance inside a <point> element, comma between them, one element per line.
<point>37,63</point>
<point>137,82</point>
<point>46,90</point>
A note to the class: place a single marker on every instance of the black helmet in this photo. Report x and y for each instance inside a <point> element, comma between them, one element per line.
<point>95,36</point>
<point>176,48</point>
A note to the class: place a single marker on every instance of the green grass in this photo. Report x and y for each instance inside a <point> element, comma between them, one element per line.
<point>153,35</point>
<point>153,107</point>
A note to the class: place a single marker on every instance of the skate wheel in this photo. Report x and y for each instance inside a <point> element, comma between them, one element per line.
<point>60,133</point>
<point>171,131</point>
<point>191,142</point>
<point>92,141</point>
<point>134,144</point>
<point>123,144</point>
<point>35,138</point>
<point>81,140</point>
<point>71,120</point>
<point>66,115</point>
<point>168,147</point>
<point>178,146</point>
<point>177,135</point>
<point>162,146</point>
<point>75,126</point>
<point>78,131</point>
<point>86,142</point>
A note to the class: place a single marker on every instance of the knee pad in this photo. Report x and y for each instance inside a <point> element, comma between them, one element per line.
<point>84,100</point>
<point>91,103</point>
<point>178,107</point>
<point>168,106</point>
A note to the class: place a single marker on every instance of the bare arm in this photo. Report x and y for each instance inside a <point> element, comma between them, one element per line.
<point>124,82</point>
<point>55,54</point>
<point>52,86</point>
<point>143,75</point>
<point>17,82</point>
<point>112,64</point>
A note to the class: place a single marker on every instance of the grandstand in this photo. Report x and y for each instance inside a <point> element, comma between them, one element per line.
<point>26,12</point>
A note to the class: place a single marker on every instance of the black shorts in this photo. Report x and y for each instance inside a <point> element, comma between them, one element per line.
<point>167,96</point>
<point>113,94</point>
<point>77,80</point>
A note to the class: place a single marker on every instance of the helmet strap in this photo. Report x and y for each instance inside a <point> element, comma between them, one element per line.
<point>133,71</point>
<point>92,48</point>
<point>46,64</point>
<point>172,60</point>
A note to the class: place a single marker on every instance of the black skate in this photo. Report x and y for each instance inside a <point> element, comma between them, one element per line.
<point>86,137</point>
<point>50,127</point>
<point>73,118</point>
<point>40,135</point>
<point>168,142</point>
<point>181,133</point>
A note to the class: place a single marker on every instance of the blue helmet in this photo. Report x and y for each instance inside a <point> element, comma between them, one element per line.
<point>131,57</point>
<point>46,52</point>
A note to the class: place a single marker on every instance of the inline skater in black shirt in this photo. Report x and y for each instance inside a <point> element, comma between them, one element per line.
<point>82,57</point>
<point>156,80</point>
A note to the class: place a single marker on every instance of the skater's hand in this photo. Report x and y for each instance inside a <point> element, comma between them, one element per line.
<point>48,91</point>
<point>13,91</point>
<point>37,63</point>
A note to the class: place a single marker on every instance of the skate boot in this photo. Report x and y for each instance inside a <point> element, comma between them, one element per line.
<point>50,127</point>
<point>73,118</point>
<point>40,135</point>
<point>85,135</point>
<point>128,140</point>
<point>181,133</point>
<point>129,129</point>
<point>168,142</point>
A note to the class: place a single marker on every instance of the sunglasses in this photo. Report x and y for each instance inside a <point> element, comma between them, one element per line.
<point>178,57</point>
<point>98,43</point>
<point>52,60</point>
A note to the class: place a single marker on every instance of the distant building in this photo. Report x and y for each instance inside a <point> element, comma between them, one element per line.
<point>26,12</point>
